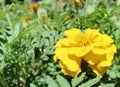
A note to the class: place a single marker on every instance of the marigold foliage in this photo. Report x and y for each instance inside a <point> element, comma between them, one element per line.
<point>95,48</point>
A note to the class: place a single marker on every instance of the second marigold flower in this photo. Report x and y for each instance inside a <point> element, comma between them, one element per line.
<point>95,48</point>
<point>33,7</point>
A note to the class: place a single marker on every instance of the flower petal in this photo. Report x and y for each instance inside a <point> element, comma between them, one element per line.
<point>99,70</point>
<point>79,51</point>
<point>72,69</point>
<point>70,64</point>
<point>60,53</point>
<point>99,50</point>
<point>102,40</point>
<point>66,42</point>
<point>72,32</point>
<point>94,59</point>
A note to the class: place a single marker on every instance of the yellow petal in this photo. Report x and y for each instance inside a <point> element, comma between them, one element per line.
<point>99,70</point>
<point>66,42</point>
<point>77,1</point>
<point>67,72</point>
<point>55,58</point>
<point>103,40</point>
<point>72,32</point>
<point>94,59</point>
<point>111,49</point>
<point>93,32</point>
<point>105,63</point>
<point>79,51</point>
<point>71,69</point>
<point>99,50</point>
<point>70,63</point>
<point>61,53</point>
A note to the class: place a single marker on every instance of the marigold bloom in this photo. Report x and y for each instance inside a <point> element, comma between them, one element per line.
<point>78,1</point>
<point>26,19</point>
<point>33,7</point>
<point>45,19</point>
<point>68,18</point>
<point>95,48</point>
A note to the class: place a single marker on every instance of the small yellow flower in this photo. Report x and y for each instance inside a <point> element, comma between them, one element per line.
<point>95,48</point>
<point>78,1</point>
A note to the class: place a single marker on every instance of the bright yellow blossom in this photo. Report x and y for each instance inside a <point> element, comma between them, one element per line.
<point>78,1</point>
<point>95,48</point>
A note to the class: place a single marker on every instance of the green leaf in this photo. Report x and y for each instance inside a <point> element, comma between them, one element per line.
<point>90,9</point>
<point>90,82</point>
<point>76,81</point>
<point>107,85</point>
<point>32,85</point>
<point>51,82</point>
<point>62,81</point>
<point>16,29</point>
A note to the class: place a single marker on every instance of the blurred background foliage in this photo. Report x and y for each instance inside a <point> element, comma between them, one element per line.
<point>27,40</point>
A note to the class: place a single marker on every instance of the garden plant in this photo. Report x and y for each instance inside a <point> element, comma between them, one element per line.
<point>60,43</point>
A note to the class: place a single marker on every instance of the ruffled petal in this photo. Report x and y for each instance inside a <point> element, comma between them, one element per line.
<point>79,51</point>
<point>72,69</point>
<point>60,53</point>
<point>92,34</point>
<point>94,59</point>
<point>99,70</point>
<point>103,40</point>
<point>70,64</point>
<point>73,32</point>
<point>66,42</point>
<point>99,50</point>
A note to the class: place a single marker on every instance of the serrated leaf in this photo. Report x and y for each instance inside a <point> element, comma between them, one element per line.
<point>16,29</point>
<point>76,81</point>
<point>107,85</point>
<point>90,82</point>
<point>51,82</point>
<point>62,81</point>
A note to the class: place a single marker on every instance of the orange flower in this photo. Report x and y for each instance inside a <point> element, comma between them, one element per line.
<point>68,17</point>
<point>45,19</point>
<point>33,7</point>
<point>26,19</point>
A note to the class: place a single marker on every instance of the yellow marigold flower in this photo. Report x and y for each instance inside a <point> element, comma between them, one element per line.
<point>33,7</point>
<point>78,1</point>
<point>95,48</point>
